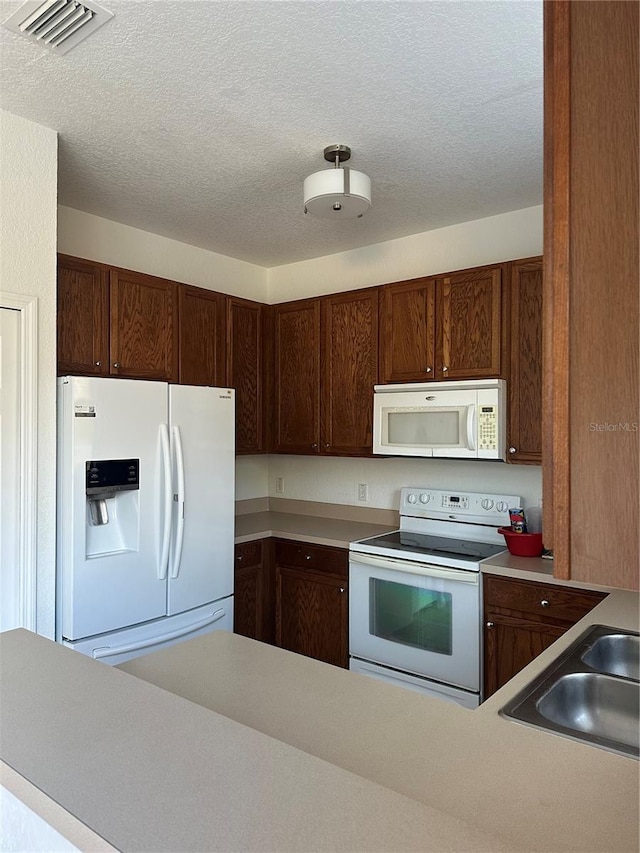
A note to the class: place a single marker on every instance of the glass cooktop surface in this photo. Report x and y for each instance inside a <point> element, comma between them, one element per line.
<point>428,545</point>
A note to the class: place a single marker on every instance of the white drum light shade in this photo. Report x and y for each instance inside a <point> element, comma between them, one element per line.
<point>337,194</point>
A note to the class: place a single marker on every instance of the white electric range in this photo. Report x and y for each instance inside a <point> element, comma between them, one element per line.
<point>415,594</point>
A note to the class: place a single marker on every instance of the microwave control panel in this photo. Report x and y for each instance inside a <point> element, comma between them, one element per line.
<point>488,427</point>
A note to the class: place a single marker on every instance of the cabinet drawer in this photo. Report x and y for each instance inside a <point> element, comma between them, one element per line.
<point>539,600</point>
<point>248,554</point>
<point>317,558</point>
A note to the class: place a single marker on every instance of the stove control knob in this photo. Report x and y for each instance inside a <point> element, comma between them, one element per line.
<point>425,498</point>
<point>501,506</point>
<point>411,498</point>
<point>486,503</point>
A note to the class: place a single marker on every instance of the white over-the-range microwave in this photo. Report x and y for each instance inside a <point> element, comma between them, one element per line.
<point>459,420</point>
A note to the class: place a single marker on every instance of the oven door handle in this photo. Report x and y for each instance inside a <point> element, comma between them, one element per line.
<point>424,569</point>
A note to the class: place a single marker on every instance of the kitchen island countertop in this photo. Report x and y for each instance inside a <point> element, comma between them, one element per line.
<point>224,743</point>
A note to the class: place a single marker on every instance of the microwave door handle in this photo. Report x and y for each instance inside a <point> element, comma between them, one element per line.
<point>471,427</point>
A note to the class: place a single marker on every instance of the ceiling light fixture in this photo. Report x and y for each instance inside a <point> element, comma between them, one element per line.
<point>338,193</point>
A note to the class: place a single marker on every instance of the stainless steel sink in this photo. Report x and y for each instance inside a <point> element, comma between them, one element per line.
<point>590,693</point>
<point>616,654</point>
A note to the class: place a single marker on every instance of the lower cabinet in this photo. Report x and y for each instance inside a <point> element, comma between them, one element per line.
<point>311,601</point>
<point>522,619</point>
<point>250,590</point>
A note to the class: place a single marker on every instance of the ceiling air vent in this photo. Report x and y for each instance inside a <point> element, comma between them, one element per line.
<point>58,24</point>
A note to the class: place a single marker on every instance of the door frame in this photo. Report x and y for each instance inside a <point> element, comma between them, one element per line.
<point>28,509</point>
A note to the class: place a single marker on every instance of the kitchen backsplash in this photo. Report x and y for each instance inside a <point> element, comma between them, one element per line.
<point>339,480</point>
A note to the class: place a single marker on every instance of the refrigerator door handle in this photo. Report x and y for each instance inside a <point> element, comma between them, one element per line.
<point>166,503</point>
<point>179,497</point>
<point>112,651</point>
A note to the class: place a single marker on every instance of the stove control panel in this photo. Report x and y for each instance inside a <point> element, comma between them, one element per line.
<point>481,508</point>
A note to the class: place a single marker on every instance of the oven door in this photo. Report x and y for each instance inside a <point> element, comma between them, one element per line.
<point>416,617</point>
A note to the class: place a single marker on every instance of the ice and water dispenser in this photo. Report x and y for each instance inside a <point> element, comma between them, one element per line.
<point>112,487</point>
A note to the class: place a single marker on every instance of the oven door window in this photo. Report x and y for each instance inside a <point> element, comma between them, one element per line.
<point>411,616</point>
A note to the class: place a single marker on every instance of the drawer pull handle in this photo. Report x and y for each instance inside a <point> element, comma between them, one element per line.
<point>545,603</point>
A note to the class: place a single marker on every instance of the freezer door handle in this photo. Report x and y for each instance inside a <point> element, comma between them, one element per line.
<point>179,497</point>
<point>112,651</point>
<point>165,508</point>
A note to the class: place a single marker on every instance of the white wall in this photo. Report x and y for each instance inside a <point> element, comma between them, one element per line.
<point>28,209</point>
<point>335,480</point>
<point>482,241</point>
<point>86,236</point>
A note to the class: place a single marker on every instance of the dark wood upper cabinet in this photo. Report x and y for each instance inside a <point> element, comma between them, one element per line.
<point>296,344</point>
<point>202,336</point>
<point>83,317</point>
<point>469,325</point>
<point>525,386</point>
<point>144,339</point>
<point>349,371</point>
<point>407,331</point>
<point>246,372</point>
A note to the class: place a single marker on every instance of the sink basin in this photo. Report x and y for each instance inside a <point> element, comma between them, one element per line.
<point>595,704</point>
<point>590,693</point>
<point>616,654</point>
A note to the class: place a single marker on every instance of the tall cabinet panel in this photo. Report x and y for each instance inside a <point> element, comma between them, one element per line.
<point>349,371</point>
<point>202,336</point>
<point>83,317</point>
<point>525,386</point>
<point>246,371</point>
<point>591,296</point>
<point>144,340</point>
<point>296,333</point>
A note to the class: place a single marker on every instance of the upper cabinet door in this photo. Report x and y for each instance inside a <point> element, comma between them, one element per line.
<point>525,386</point>
<point>407,327</point>
<point>469,309</point>
<point>245,371</point>
<point>349,371</point>
<point>144,340</point>
<point>202,336</point>
<point>296,342</point>
<point>83,317</point>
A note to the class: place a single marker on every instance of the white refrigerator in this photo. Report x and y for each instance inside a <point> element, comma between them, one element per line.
<point>145,514</point>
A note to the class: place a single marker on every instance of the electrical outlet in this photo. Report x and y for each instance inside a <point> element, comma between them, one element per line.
<point>280,485</point>
<point>363,492</point>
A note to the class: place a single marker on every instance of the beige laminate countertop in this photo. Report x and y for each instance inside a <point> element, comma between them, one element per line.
<point>335,532</point>
<point>147,770</point>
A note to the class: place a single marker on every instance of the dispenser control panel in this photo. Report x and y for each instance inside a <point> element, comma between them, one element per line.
<point>112,475</point>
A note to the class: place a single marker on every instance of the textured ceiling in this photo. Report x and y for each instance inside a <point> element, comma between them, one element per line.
<point>200,120</point>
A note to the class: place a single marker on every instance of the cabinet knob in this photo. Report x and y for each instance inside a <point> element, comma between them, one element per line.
<point>444,368</point>
<point>308,557</point>
<point>97,363</point>
<point>239,558</point>
<point>313,446</point>
<point>327,445</point>
<point>341,589</point>
<point>513,450</point>
<point>427,370</point>
<point>545,603</point>
<point>489,624</point>
<point>116,364</point>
